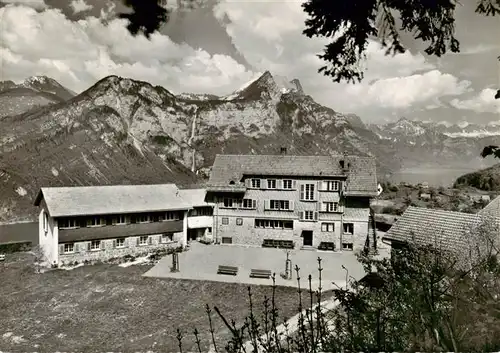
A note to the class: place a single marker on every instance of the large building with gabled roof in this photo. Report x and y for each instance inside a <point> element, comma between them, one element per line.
<point>103,222</point>
<point>293,201</point>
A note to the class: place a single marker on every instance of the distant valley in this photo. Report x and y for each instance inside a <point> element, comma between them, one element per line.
<point>127,131</point>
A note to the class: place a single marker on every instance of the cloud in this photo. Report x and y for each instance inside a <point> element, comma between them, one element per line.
<point>35,4</point>
<point>484,102</point>
<point>87,50</point>
<point>276,43</point>
<point>80,6</point>
<point>406,91</point>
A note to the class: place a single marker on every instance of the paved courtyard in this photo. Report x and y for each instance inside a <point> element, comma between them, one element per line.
<point>201,261</point>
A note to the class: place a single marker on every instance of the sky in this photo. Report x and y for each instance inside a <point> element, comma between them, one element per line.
<point>221,45</point>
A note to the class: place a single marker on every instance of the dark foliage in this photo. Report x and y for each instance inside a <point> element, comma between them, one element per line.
<point>491,151</point>
<point>351,23</point>
<point>147,16</point>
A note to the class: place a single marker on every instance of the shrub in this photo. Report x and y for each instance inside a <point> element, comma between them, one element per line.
<point>410,303</point>
<point>393,188</point>
<point>15,246</point>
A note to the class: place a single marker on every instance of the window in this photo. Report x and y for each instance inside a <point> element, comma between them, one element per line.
<point>239,221</point>
<point>95,222</point>
<point>347,246</point>
<point>309,215</point>
<point>69,248</point>
<point>307,192</point>
<point>228,203</point>
<point>172,216</point>
<point>209,231</point>
<point>332,185</point>
<point>255,183</point>
<point>202,211</point>
<point>273,223</point>
<point>95,245</point>
<point>331,206</point>
<point>144,218</point>
<point>120,243</point>
<point>249,203</point>
<point>120,219</point>
<point>66,223</point>
<point>349,228</point>
<point>279,204</point>
<point>225,220</point>
<point>45,222</point>
<point>143,240</point>
<point>167,237</point>
<point>327,227</point>
<point>271,183</point>
<point>287,184</point>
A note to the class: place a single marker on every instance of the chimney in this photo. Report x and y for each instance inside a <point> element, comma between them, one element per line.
<point>283,150</point>
<point>344,164</point>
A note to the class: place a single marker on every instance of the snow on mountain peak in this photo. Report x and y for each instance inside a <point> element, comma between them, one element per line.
<point>445,123</point>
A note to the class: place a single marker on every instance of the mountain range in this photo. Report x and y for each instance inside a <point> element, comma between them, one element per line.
<point>127,131</point>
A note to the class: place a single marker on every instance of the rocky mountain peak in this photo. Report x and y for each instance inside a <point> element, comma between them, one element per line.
<point>116,86</point>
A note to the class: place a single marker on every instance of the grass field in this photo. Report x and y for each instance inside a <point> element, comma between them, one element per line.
<point>110,308</point>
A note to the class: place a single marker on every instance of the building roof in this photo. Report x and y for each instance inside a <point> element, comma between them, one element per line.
<point>361,176</point>
<point>492,209</point>
<point>195,197</point>
<point>446,230</point>
<point>114,199</point>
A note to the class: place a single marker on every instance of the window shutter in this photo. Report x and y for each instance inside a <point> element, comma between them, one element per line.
<point>302,215</point>
<point>102,245</point>
<point>323,206</point>
<point>315,215</point>
<point>324,185</point>
<point>114,243</point>
<point>137,241</point>
<point>302,187</point>
<point>279,184</point>
<point>294,184</point>
<point>248,183</point>
<point>126,241</point>
<point>61,248</point>
<point>292,205</point>
<point>254,204</point>
<point>316,193</point>
<point>150,240</point>
<point>263,183</point>
<point>159,239</point>
<point>267,204</point>
<point>88,246</point>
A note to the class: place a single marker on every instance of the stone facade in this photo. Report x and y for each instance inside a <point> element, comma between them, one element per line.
<point>237,225</point>
<point>108,250</point>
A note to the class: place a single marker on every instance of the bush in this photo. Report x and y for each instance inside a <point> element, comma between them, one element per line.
<point>15,246</point>
<point>393,188</point>
<point>410,303</point>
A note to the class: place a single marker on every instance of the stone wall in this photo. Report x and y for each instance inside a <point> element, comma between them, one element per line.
<point>81,252</point>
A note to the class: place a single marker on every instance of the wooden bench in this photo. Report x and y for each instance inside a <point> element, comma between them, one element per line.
<point>325,245</point>
<point>255,273</point>
<point>227,270</point>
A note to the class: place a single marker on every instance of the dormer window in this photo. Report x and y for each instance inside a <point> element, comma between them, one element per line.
<point>341,164</point>
<point>231,182</point>
<point>255,183</point>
